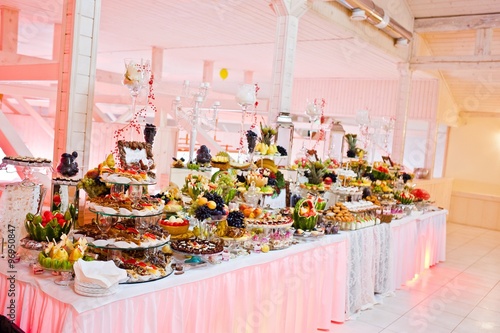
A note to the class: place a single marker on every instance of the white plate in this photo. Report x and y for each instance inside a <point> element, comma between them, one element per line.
<point>101,242</point>
<point>124,211</point>
<point>107,210</point>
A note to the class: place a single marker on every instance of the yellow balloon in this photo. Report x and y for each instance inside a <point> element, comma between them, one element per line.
<point>223,73</point>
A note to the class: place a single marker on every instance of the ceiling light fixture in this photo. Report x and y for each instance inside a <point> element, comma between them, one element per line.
<point>401,42</point>
<point>358,15</point>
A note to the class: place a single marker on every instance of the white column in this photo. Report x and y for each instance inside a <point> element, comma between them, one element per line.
<point>430,149</point>
<point>288,13</point>
<point>75,91</point>
<point>208,71</point>
<point>398,143</point>
<point>248,77</point>
<point>157,63</point>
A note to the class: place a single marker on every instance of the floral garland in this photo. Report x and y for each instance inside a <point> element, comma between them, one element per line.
<point>322,120</point>
<point>138,117</point>
<point>254,116</point>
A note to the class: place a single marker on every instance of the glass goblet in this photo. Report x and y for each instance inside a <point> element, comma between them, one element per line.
<point>135,193</point>
<point>104,224</point>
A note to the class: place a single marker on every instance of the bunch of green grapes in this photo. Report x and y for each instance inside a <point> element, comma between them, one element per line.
<point>226,184</point>
<point>93,187</point>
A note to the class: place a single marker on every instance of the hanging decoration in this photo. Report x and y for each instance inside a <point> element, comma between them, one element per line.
<point>134,77</point>
<point>223,73</point>
<point>315,110</point>
<point>246,97</point>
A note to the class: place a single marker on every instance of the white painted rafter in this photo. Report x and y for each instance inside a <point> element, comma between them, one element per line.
<point>457,23</point>
<point>12,144</point>
<point>35,115</point>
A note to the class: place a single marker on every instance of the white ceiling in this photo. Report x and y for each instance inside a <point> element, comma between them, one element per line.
<point>240,35</point>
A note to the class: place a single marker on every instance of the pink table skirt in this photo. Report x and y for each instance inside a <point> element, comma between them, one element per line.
<point>418,243</point>
<point>298,291</point>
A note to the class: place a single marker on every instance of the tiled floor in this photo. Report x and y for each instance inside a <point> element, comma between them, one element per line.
<point>461,295</point>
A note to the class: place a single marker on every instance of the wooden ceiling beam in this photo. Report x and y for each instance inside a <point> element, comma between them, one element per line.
<point>11,142</point>
<point>480,114</point>
<point>457,23</point>
<point>99,115</point>
<point>36,115</point>
<point>28,91</point>
<point>11,58</point>
<point>27,72</point>
<point>7,104</point>
<point>474,62</point>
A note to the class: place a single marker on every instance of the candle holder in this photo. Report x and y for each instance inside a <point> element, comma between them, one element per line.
<point>194,114</point>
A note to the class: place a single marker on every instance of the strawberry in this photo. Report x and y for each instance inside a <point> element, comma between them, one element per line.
<point>132,231</point>
<point>149,235</point>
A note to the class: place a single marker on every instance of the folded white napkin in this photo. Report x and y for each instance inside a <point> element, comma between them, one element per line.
<point>102,273</point>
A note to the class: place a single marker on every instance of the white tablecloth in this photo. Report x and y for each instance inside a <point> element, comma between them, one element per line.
<point>298,289</point>
<point>384,257</point>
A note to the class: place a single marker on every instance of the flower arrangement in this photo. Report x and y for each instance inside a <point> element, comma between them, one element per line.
<point>48,226</point>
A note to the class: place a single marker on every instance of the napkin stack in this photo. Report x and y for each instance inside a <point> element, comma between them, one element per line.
<point>97,278</point>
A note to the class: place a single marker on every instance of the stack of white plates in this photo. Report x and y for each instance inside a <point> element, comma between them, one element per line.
<point>94,290</point>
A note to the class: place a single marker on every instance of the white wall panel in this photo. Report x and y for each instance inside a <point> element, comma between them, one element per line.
<point>344,97</point>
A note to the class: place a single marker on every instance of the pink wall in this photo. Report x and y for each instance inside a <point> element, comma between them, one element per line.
<point>344,96</point>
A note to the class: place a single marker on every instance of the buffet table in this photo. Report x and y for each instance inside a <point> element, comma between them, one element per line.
<point>299,289</point>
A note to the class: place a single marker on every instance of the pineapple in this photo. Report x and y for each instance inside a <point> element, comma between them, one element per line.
<point>351,142</point>
<point>316,172</point>
<point>267,134</point>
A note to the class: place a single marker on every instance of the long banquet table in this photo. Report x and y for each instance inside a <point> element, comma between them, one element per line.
<point>300,289</point>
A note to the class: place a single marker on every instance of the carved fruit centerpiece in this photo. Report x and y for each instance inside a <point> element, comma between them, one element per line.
<point>48,226</point>
<point>305,215</point>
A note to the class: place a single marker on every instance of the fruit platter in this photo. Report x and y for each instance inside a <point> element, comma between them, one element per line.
<point>61,255</point>
<point>232,229</point>
<point>175,225</point>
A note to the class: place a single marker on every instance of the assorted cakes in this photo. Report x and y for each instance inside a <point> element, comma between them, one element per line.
<point>196,246</point>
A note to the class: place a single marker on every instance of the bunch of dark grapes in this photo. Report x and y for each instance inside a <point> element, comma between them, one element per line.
<point>235,219</point>
<point>241,178</point>
<point>282,151</point>
<point>202,213</point>
<point>406,177</point>
<point>212,196</point>
<point>370,176</point>
<point>251,140</point>
<point>162,196</point>
<point>271,181</point>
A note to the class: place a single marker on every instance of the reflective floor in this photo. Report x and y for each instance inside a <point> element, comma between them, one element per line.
<point>461,295</point>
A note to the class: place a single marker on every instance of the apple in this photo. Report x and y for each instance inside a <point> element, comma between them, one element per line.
<point>328,181</point>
